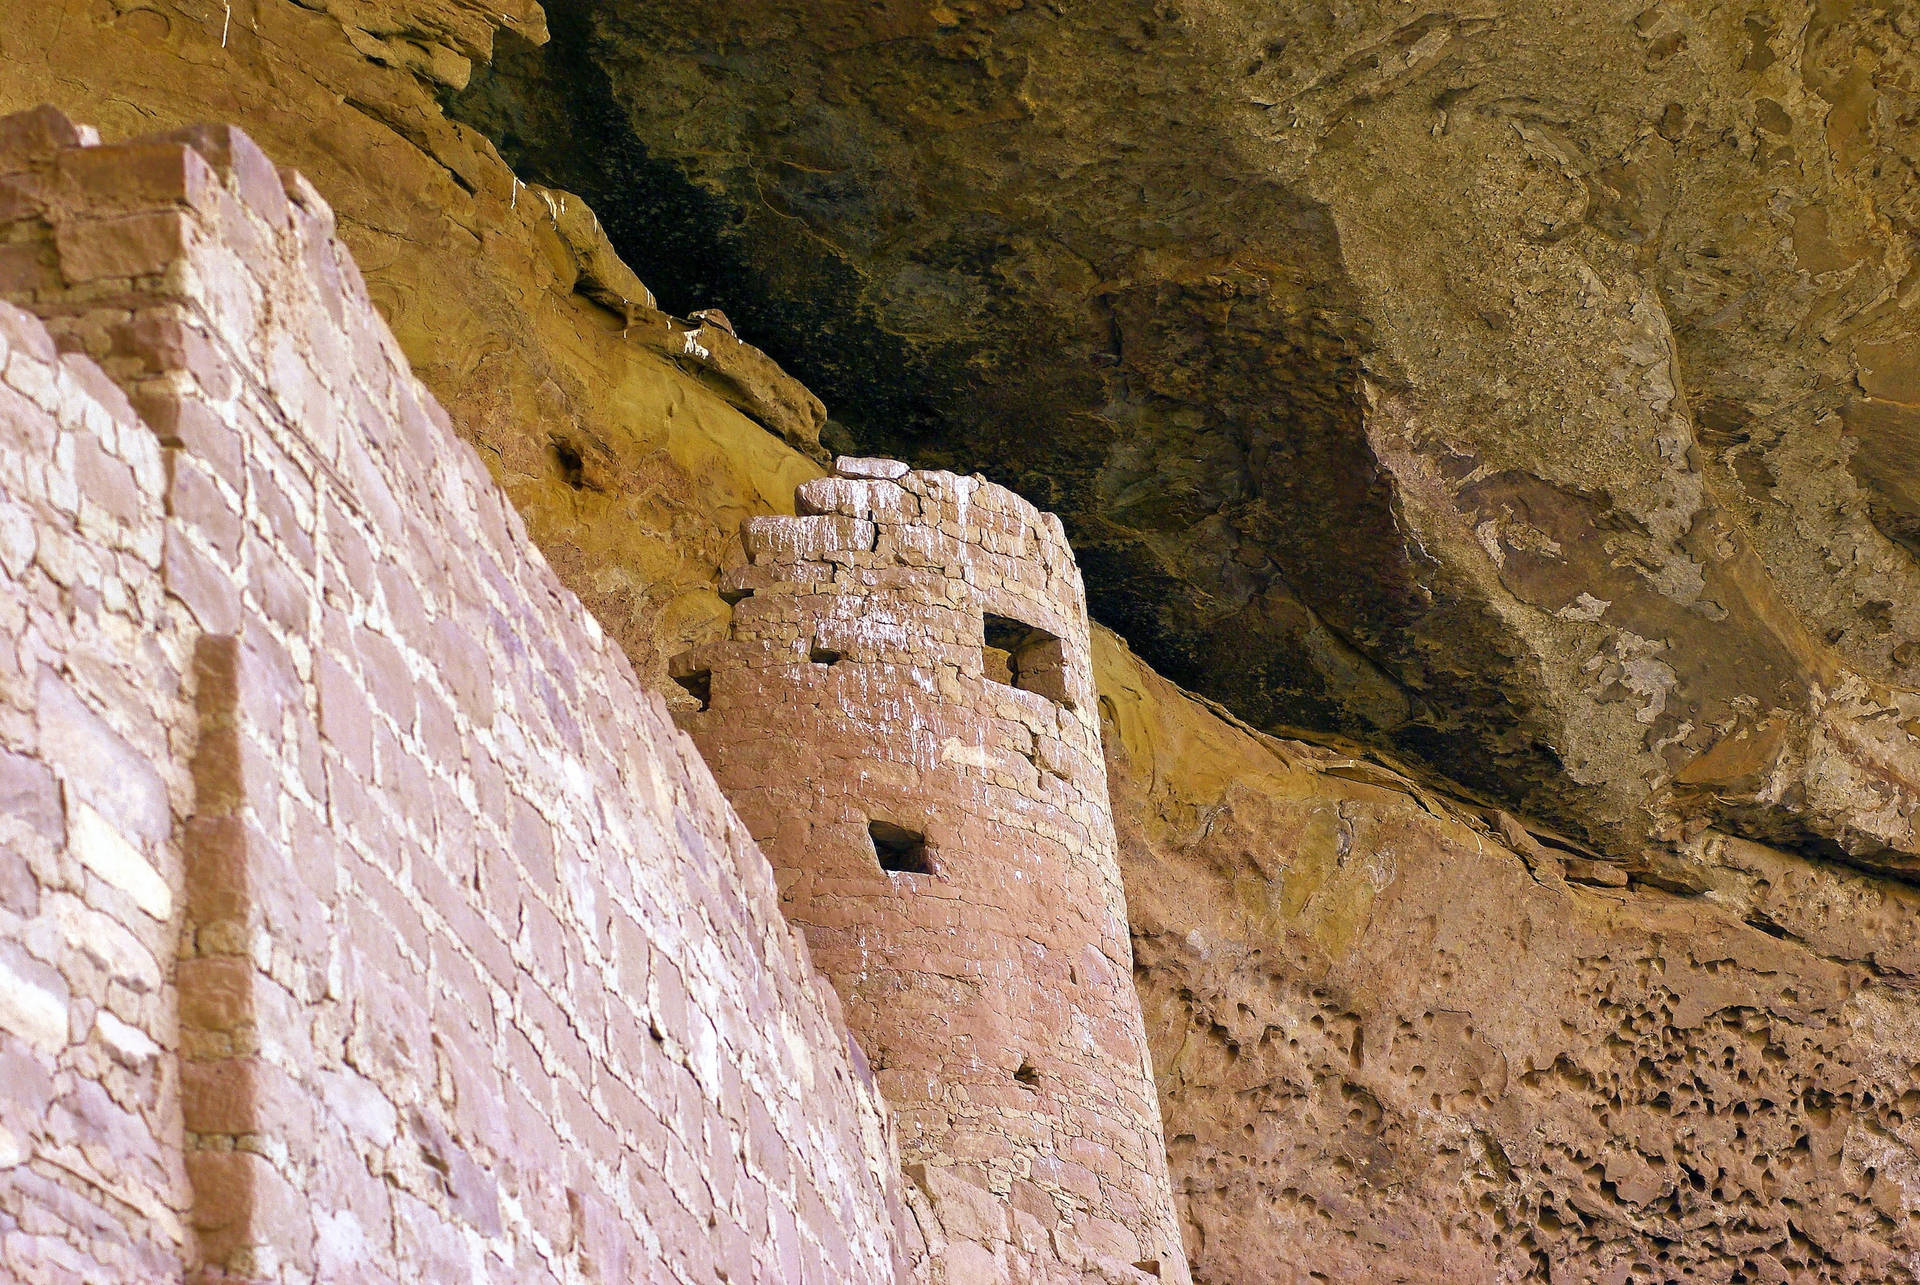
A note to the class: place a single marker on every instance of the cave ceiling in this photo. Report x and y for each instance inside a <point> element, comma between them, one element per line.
<point>1527,390</point>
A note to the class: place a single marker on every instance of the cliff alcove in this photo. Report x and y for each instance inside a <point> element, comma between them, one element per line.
<point>1519,391</point>
<point>1486,435</point>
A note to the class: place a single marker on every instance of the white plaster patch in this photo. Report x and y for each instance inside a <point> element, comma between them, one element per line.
<point>31,1011</point>
<point>105,851</point>
<point>952,750</point>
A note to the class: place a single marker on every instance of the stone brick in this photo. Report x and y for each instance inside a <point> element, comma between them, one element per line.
<point>954,792</point>
<point>232,154</point>
<point>869,467</point>
<point>216,993</point>
<point>39,134</point>
<point>240,1202</point>
<point>33,1000</point>
<point>345,719</point>
<point>106,851</point>
<point>30,795</point>
<point>364,830</point>
<point>136,245</point>
<point>99,765</point>
<point>207,589</point>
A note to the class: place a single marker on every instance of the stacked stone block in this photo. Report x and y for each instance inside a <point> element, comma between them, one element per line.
<point>904,715</point>
<point>361,918</point>
<point>94,661</point>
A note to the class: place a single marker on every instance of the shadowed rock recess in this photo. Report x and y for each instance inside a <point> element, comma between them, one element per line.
<point>1528,390</point>
<point>1488,437</point>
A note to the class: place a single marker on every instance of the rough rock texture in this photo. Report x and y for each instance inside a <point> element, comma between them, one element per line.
<point>919,640</point>
<point>363,917</point>
<point>1272,316</point>
<point>1402,1040</point>
<point>1527,388</point>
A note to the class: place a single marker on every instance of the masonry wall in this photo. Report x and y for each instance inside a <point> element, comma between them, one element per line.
<point>478,977</point>
<point>93,717</point>
<point>904,714</point>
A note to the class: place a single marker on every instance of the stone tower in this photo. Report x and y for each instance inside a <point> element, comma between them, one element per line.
<point>904,715</point>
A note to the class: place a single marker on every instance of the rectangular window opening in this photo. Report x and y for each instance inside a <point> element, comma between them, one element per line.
<point>899,850</point>
<point>823,655</point>
<point>1025,656</point>
<point>698,684</point>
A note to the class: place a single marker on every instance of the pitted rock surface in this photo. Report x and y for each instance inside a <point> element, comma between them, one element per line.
<point>1398,1041</point>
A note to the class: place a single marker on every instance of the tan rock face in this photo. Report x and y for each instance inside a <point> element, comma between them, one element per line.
<point>600,415</point>
<point>1393,1048</point>
<point>1527,390</point>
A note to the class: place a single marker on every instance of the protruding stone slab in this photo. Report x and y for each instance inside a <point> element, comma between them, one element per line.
<point>869,466</point>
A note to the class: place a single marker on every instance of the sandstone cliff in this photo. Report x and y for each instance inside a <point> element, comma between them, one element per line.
<point>1524,392</point>
<point>1400,1038</point>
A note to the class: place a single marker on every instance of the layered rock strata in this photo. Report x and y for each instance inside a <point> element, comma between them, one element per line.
<point>361,917</point>
<point>918,642</point>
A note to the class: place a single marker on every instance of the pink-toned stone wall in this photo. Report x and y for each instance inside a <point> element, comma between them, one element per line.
<point>328,805</point>
<point>94,724</point>
<point>992,990</point>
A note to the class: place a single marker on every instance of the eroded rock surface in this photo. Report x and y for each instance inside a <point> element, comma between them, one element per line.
<point>1393,1048</point>
<point>1526,388</point>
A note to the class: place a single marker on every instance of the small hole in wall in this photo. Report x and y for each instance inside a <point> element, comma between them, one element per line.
<point>1024,656</point>
<point>698,684</point>
<point>899,850</point>
<point>824,656</point>
<point>1027,1075</point>
<point>573,469</point>
<point>734,597</point>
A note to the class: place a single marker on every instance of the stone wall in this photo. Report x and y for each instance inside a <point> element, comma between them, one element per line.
<point>478,976</point>
<point>904,714</point>
<point>630,458</point>
<point>93,718</point>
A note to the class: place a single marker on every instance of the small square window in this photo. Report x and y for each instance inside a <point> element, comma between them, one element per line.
<point>698,684</point>
<point>1025,656</point>
<point>899,850</point>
